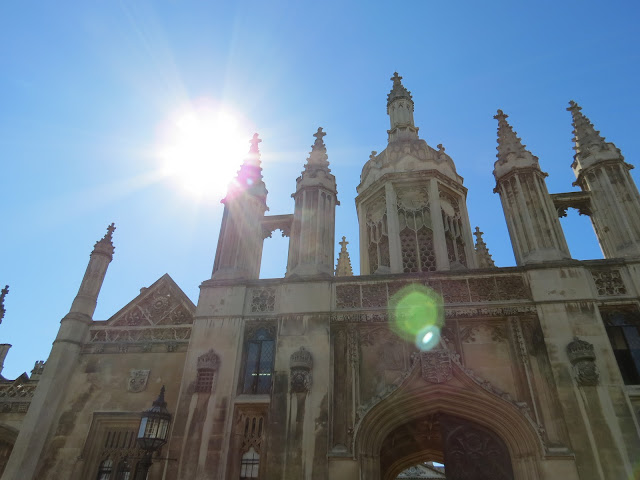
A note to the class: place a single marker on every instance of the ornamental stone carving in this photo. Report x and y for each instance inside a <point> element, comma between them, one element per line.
<point>583,358</point>
<point>138,380</point>
<point>436,366</point>
<point>209,361</point>
<point>263,300</point>
<point>301,363</point>
<point>608,282</point>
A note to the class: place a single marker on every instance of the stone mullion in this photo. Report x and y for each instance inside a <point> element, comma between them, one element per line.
<point>511,217</point>
<point>633,193</point>
<point>467,236</point>
<point>622,227</point>
<point>364,239</point>
<point>439,241</point>
<point>393,229</point>
<point>556,236</point>
<point>528,224</point>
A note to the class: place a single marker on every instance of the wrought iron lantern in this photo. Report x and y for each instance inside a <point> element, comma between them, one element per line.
<point>154,425</point>
<point>153,432</point>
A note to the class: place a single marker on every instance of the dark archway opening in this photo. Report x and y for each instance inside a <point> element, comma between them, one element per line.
<point>467,450</point>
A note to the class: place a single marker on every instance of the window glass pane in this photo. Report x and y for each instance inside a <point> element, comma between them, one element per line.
<point>266,367</point>
<point>251,368</point>
<point>104,471</point>
<point>250,464</point>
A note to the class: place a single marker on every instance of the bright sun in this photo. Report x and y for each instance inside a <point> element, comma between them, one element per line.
<point>202,148</point>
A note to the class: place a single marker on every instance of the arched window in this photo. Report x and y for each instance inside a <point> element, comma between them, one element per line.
<point>259,355</point>
<point>105,469</point>
<point>250,464</point>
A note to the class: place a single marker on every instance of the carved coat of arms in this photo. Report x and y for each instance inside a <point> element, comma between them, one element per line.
<point>138,380</point>
<point>436,366</point>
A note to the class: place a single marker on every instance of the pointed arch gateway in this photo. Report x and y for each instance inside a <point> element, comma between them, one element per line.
<point>456,419</point>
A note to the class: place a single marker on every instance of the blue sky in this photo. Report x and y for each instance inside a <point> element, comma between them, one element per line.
<point>87,88</point>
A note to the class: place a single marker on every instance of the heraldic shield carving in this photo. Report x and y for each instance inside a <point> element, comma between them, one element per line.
<point>436,366</point>
<point>138,380</point>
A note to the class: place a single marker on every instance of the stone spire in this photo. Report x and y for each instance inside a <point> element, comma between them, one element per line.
<point>3,294</point>
<point>398,90</point>
<point>511,151</point>
<point>600,169</point>
<point>318,158</point>
<point>532,220</point>
<point>483,256</point>
<point>101,256</point>
<point>343,267</point>
<point>105,244</point>
<point>61,365</point>
<point>585,135</point>
<point>249,177</point>
<point>312,241</point>
<point>400,110</point>
<point>239,249</point>
<point>590,146</point>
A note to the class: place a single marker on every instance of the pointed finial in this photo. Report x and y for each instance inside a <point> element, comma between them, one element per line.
<point>110,229</point>
<point>587,139</point>
<point>3,294</point>
<point>105,245</point>
<point>160,402</point>
<point>255,140</point>
<point>318,157</point>
<point>500,115</point>
<point>573,106</point>
<point>510,146</point>
<point>249,176</point>
<point>482,252</point>
<point>343,267</point>
<point>398,90</point>
<point>319,137</point>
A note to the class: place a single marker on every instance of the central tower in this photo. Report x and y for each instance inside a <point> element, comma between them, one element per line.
<point>411,202</point>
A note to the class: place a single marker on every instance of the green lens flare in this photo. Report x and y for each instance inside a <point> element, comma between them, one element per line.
<point>417,315</point>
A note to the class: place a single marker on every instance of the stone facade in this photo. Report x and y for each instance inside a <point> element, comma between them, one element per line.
<point>316,375</point>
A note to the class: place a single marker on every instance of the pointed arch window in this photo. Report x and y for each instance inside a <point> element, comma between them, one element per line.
<point>259,357</point>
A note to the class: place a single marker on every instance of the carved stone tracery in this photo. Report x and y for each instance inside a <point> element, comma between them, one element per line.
<point>263,300</point>
<point>608,282</point>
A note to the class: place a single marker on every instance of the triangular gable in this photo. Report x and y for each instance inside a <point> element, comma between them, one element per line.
<point>163,303</point>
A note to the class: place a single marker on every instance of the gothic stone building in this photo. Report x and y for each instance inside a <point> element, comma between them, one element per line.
<point>535,375</point>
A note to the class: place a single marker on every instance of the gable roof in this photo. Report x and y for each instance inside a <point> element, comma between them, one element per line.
<point>163,303</point>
